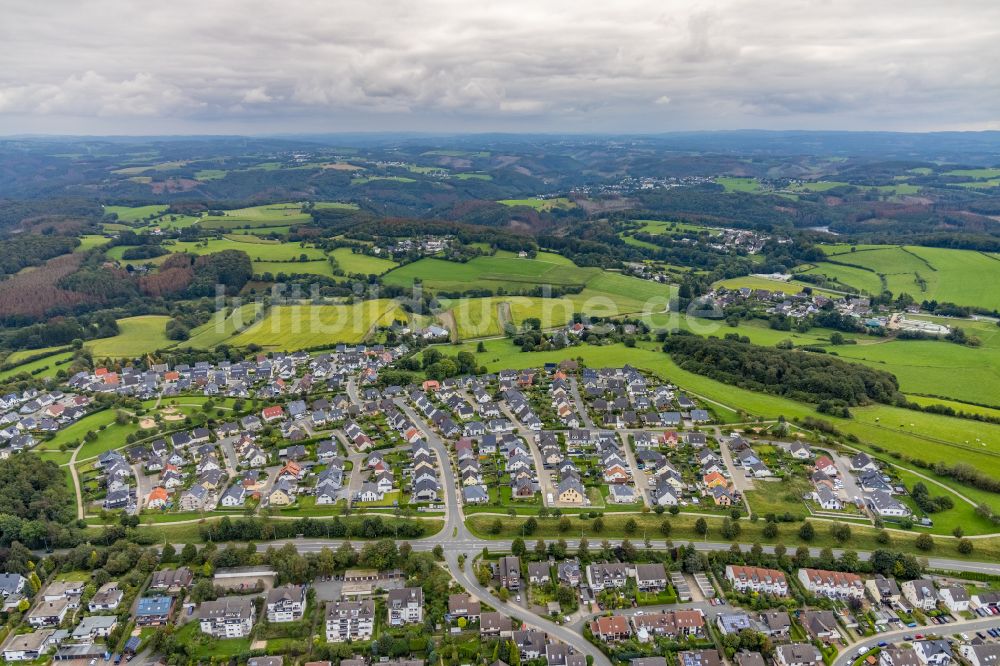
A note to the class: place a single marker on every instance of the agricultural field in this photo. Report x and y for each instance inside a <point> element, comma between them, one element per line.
<point>258,251</point>
<point>509,273</point>
<point>293,268</point>
<point>222,326</point>
<point>90,241</point>
<point>269,215</point>
<point>136,213</point>
<point>472,176</point>
<point>363,180</point>
<point>846,277</point>
<point>137,336</point>
<point>732,184</point>
<point>205,175</point>
<point>979,174</point>
<point>292,327</point>
<point>752,282</point>
<point>352,263</point>
<point>938,367</point>
<point>477,317</point>
<point>540,204</point>
<point>43,367</point>
<point>965,277</point>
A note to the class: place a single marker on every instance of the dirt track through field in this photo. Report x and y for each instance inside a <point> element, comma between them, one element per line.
<point>503,315</point>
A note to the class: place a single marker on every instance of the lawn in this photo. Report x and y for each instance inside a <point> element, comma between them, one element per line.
<point>291,327</point>
<point>779,496</point>
<point>351,262</point>
<point>137,336</point>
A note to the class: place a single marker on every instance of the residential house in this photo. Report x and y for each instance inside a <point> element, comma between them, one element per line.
<point>798,654</point>
<point>921,593</point>
<point>350,620</point>
<point>153,611</point>
<point>227,617</point>
<point>286,603</point>
<point>831,584</point>
<point>405,606</point>
<point>757,579</point>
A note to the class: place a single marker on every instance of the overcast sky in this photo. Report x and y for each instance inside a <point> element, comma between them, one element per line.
<point>243,66</point>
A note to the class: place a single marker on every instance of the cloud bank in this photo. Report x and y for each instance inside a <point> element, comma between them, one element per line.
<point>623,66</point>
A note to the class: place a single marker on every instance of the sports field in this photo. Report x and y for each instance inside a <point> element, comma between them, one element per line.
<point>291,327</point>
<point>352,263</point>
<point>137,336</point>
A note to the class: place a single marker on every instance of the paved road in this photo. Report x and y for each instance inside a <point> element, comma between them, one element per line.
<point>969,626</point>
<point>581,406</point>
<point>640,480</point>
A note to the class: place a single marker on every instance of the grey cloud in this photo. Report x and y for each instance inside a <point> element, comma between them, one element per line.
<point>630,65</point>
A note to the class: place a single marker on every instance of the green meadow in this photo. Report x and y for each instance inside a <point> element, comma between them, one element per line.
<point>352,263</point>
<point>137,336</point>
<point>965,277</point>
<point>292,327</point>
<point>136,213</point>
<point>540,204</point>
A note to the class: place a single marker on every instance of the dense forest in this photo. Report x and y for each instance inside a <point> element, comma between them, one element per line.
<point>795,374</point>
<point>36,506</point>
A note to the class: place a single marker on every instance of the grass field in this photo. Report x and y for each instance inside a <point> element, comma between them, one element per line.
<point>364,180</point>
<point>739,184</point>
<point>975,173</point>
<point>510,273</point>
<point>540,204</point>
<point>135,213</point>
<point>847,276</point>
<point>477,317</point>
<point>44,367</point>
<point>293,268</point>
<point>221,327</point>
<point>137,336</point>
<point>291,327</point>
<point>752,282</point>
<point>965,277</point>
<point>352,263</point>
<point>90,241</point>
<point>257,251</point>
